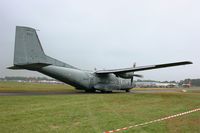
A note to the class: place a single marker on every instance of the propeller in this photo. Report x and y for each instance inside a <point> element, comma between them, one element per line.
<point>134,65</point>
<point>135,75</point>
<point>138,75</point>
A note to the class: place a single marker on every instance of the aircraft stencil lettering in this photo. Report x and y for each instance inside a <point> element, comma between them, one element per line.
<point>29,55</point>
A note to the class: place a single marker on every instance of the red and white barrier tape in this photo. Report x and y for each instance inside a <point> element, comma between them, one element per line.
<point>161,119</point>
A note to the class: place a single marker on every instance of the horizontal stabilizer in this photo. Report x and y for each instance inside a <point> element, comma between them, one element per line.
<point>29,66</point>
<point>14,67</point>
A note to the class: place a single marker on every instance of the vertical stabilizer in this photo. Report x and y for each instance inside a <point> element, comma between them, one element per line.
<point>29,53</point>
<point>28,49</point>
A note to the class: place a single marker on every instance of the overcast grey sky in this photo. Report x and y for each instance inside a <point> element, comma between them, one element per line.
<point>108,34</point>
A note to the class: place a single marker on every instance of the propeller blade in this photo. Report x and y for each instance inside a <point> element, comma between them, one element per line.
<point>131,80</point>
<point>134,65</point>
<point>138,75</point>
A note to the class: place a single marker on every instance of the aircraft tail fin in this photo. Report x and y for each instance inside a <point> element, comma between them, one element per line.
<point>28,51</point>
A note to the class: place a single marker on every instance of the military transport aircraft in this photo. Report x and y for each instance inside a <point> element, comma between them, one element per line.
<point>28,54</point>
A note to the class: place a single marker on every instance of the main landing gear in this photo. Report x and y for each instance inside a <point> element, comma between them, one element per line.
<point>103,91</point>
<point>90,91</point>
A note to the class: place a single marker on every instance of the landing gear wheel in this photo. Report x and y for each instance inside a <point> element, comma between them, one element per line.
<point>90,91</point>
<point>127,90</point>
<point>102,91</point>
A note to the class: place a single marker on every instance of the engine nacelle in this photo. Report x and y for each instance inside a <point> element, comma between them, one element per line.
<point>128,75</point>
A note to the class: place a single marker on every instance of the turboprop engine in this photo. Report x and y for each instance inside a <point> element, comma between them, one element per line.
<point>129,75</point>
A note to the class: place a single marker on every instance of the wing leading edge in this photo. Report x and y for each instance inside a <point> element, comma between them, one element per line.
<point>142,68</point>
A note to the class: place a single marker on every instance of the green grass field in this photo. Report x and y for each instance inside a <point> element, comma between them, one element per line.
<point>34,87</point>
<point>94,113</point>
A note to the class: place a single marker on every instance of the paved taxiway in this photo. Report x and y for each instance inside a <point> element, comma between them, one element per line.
<point>115,92</point>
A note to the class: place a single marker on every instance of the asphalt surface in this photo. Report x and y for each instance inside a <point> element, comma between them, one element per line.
<point>82,93</point>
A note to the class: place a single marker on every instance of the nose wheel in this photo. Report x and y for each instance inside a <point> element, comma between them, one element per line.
<point>127,90</point>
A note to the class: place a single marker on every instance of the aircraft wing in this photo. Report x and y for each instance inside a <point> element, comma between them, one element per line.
<point>142,68</point>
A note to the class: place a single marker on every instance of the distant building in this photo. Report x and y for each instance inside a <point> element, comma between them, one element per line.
<point>31,80</point>
<point>187,85</point>
<point>155,85</point>
<point>145,84</point>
